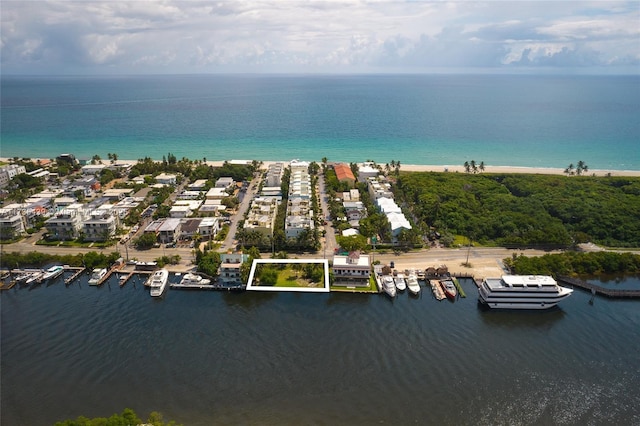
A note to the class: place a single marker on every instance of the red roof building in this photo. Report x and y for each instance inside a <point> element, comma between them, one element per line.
<point>344,173</point>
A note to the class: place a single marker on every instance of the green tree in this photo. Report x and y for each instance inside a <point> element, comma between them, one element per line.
<point>145,241</point>
<point>352,243</point>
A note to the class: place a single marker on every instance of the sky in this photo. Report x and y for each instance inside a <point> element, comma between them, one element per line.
<point>318,36</point>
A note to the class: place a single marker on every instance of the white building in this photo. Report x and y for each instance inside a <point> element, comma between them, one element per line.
<point>299,213</point>
<point>199,185</point>
<point>166,179</point>
<point>92,169</point>
<point>101,224</point>
<point>66,224</point>
<point>274,175</point>
<point>216,194</point>
<point>262,215</point>
<point>169,230</point>
<point>230,267</point>
<point>12,223</point>
<point>208,228</point>
<point>224,182</point>
<point>9,172</point>
<point>378,188</point>
<point>353,270</point>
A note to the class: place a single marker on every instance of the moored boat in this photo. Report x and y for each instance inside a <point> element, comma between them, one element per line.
<point>449,289</point>
<point>159,281</point>
<point>412,283</point>
<point>97,275</point>
<point>194,280</point>
<point>53,272</point>
<point>389,286</point>
<point>521,292</point>
<point>34,278</point>
<point>437,290</point>
<point>400,282</point>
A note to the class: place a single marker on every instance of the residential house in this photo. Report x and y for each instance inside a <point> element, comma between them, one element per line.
<point>9,172</point>
<point>367,170</point>
<point>379,188</point>
<point>101,224</point>
<point>12,222</point>
<point>198,186</point>
<point>230,267</point>
<point>353,270</point>
<point>169,230</point>
<point>224,182</point>
<point>274,175</point>
<point>262,215</point>
<point>189,228</point>
<point>344,173</point>
<point>66,224</point>
<point>166,179</point>
<point>208,228</point>
<point>92,169</point>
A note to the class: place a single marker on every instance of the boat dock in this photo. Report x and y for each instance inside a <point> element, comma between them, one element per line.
<point>75,275</point>
<point>9,286</point>
<point>602,291</point>
<point>179,286</point>
<point>125,278</point>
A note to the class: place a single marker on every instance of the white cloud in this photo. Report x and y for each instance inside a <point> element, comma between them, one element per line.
<point>61,36</point>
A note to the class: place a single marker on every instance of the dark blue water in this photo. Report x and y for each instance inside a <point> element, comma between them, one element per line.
<point>537,121</point>
<point>206,358</point>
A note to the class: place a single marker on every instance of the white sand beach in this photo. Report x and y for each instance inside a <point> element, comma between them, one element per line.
<point>437,168</point>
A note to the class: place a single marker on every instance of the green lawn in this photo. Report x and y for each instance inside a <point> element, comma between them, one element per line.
<point>372,288</point>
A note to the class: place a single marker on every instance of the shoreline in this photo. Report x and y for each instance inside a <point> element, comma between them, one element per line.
<point>429,168</point>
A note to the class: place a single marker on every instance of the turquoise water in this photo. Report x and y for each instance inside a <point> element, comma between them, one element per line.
<point>536,121</point>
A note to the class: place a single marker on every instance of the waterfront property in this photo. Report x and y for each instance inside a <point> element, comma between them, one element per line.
<point>291,269</point>
<point>353,270</point>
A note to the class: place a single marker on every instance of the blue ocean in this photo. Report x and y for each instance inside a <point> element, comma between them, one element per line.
<point>514,120</point>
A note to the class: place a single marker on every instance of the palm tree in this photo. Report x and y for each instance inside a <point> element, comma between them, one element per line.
<point>467,167</point>
<point>569,169</point>
<point>397,167</point>
<point>474,167</point>
<point>481,167</point>
<point>581,167</point>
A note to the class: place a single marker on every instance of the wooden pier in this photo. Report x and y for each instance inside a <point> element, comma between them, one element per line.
<point>179,286</point>
<point>123,280</point>
<point>602,291</point>
<point>9,286</point>
<point>75,275</point>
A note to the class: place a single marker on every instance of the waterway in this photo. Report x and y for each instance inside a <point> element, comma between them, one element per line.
<point>205,358</point>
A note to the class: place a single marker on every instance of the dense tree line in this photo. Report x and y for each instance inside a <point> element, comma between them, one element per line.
<point>37,259</point>
<point>576,263</point>
<point>526,209</point>
<point>128,417</point>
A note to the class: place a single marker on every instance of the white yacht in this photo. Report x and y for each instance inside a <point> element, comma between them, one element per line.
<point>35,278</point>
<point>412,283</point>
<point>388,286</point>
<point>53,272</point>
<point>401,284</point>
<point>194,280</point>
<point>97,275</point>
<point>159,281</point>
<point>521,292</point>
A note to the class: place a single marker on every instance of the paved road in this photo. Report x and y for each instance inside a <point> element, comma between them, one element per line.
<point>242,208</point>
<point>329,241</point>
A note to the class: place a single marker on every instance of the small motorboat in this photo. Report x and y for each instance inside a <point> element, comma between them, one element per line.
<point>449,289</point>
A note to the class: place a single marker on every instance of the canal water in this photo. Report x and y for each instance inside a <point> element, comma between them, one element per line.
<point>205,358</point>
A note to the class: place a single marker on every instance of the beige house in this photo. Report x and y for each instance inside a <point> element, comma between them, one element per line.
<point>353,270</point>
